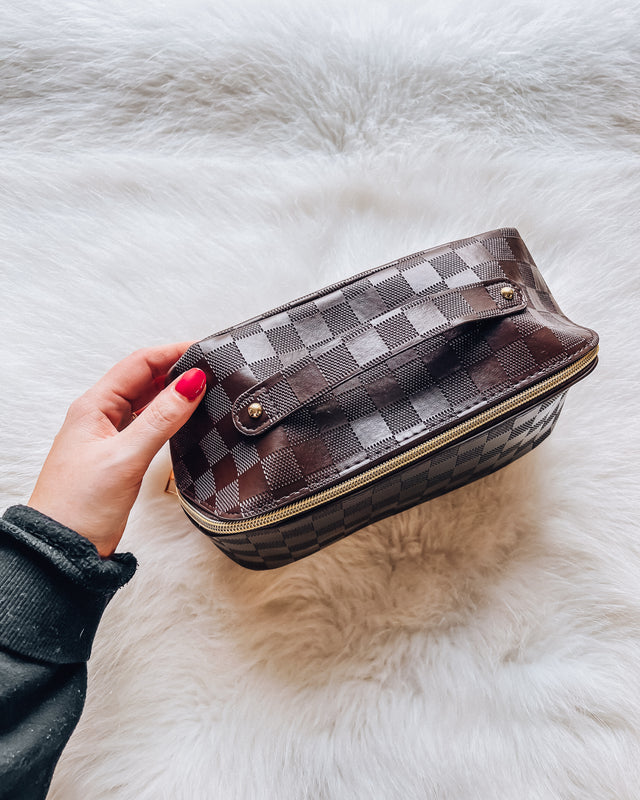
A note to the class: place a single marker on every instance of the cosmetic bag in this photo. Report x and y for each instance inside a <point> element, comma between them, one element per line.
<point>372,395</point>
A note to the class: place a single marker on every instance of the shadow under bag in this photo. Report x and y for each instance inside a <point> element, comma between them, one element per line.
<point>373,394</point>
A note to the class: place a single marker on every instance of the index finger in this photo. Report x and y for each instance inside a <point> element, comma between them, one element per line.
<point>132,378</point>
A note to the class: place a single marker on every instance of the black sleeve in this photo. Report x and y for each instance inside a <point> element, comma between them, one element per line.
<point>53,589</point>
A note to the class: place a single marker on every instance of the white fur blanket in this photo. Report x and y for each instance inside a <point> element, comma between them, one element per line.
<point>170,168</point>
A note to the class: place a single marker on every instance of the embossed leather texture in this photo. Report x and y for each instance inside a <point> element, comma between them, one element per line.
<point>280,544</point>
<point>333,385</point>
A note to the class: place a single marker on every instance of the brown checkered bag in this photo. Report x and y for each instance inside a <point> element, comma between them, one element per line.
<point>372,395</point>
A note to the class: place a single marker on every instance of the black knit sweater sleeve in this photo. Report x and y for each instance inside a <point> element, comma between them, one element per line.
<point>53,589</point>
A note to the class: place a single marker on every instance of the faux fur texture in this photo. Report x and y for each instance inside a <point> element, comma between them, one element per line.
<point>172,168</point>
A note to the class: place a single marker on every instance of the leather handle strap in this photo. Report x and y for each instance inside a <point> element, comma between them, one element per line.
<point>369,344</point>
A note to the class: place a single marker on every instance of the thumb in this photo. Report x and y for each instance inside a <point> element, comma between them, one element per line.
<point>166,414</point>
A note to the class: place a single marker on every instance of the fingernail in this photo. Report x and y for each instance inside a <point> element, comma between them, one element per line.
<point>192,383</point>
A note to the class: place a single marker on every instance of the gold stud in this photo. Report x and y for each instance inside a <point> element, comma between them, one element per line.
<point>507,292</point>
<point>254,410</point>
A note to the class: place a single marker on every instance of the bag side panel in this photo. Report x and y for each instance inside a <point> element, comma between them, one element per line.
<point>448,469</point>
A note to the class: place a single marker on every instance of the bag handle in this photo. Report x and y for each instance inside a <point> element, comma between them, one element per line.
<point>329,365</point>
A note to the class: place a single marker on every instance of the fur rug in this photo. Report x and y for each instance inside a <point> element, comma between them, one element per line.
<point>172,168</point>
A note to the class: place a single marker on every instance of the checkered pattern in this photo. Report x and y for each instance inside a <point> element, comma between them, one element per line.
<point>434,475</point>
<point>350,356</point>
<point>403,389</point>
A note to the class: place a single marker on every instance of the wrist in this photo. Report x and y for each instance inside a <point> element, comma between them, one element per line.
<point>103,534</point>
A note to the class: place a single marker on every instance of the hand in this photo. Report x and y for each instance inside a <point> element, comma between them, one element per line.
<point>93,472</point>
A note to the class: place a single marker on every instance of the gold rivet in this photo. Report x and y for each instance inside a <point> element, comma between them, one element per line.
<point>507,292</point>
<point>254,410</point>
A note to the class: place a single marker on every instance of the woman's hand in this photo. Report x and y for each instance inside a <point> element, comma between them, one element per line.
<point>93,472</point>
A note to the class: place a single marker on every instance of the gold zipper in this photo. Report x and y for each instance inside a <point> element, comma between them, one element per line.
<point>401,460</point>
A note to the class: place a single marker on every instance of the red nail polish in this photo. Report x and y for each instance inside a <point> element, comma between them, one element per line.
<point>191,383</point>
